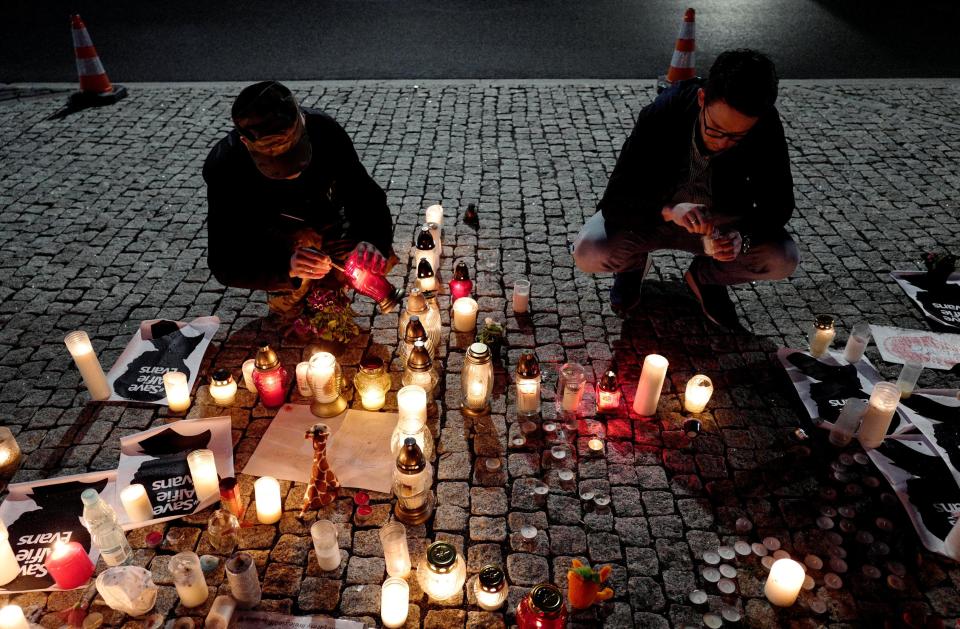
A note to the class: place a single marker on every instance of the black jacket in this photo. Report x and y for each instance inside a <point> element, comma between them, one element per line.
<point>249,240</point>
<point>750,181</point>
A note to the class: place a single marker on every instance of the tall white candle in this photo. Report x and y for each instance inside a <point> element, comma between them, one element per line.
<point>521,296</point>
<point>203,471</point>
<point>857,342</point>
<point>323,369</point>
<point>9,567</point>
<point>136,503</point>
<point>465,314</point>
<point>11,617</point>
<point>784,582</point>
<point>411,408</point>
<point>267,493</point>
<point>178,393</point>
<point>394,602</point>
<point>188,578</point>
<point>303,379</point>
<point>248,367</point>
<point>879,414</point>
<point>78,343</point>
<point>651,383</point>
<point>434,214</point>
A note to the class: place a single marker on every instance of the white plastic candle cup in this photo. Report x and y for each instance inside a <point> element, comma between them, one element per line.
<point>326,544</point>
<point>396,553</point>
<point>203,471</point>
<point>78,343</point>
<point>857,342</point>
<point>267,494</point>
<point>248,367</point>
<point>136,503</point>
<point>11,617</point>
<point>909,376</point>
<point>323,373</point>
<point>847,422</point>
<point>651,383</point>
<point>434,214</point>
<point>821,336</point>
<point>178,393</point>
<point>9,567</point>
<point>465,314</point>
<point>411,408</point>
<point>880,411</point>
<point>394,602</point>
<point>221,612</point>
<point>303,379</point>
<point>698,392</point>
<point>521,296</point>
<point>188,578</point>
<point>784,582</point>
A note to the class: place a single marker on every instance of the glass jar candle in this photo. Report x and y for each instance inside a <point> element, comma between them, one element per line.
<point>461,285</point>
<point>412,478</point>
<point>80,348</point>
<point>230,496</point>
<point>442,571</point>
<point>270,378</point>
<point>177,390</point>
<point>528,384</point>
<point>326,382</point>
<point>542,608</point>
<point>419,369</point>
<point>9,567</point>
<point>879,414</point>
<point>490,588</point>
<point>243,580</point>
<point>223,531</point>
<point>570,386</point>
<point>426,249</point>
<point>9,453</point>
<point>373,285</point>
<point>413,333</point>
<point>697,394</point>
<point>394,602</point>
<point>326,544</point>
<point>608,392</point>
<point>188,578</point>
<point>476,378</point>
<point>857,342</point>
<point>426,279</point>
<point>203,472</point>
<point>821,336</point>
<point>465,315</point>
<point>412,421</point>
<point>396,553</point>
<point>372,383</point>
<point>419,306</point>
<point>223,388</point>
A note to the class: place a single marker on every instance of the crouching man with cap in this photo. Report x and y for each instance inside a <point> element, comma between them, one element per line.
<point>287,195</point>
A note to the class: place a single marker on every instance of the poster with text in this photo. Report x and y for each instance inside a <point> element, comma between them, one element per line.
<point>157,459</point>
<point>933,350</point>
<point>940,303</point>
<point>41,513</point>
<point>160,346</point>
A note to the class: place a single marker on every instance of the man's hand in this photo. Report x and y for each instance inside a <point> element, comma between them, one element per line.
<point>308,264</point>
<point>691,216</point>
<point>727,246</point>
<point>369,258</point>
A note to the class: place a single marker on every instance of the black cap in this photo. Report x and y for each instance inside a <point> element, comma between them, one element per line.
<point>528,366</point>
<point>546,597</point>
<point>425,239</point>
<point>424,270</point>
<point>608,381</point>
<point>824,321</point>
<point>491,578</point>
<point>269,120</point>
<point>411,460</point>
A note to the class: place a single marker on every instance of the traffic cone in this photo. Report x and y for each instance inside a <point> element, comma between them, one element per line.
<point>683,63</point>
<point>95,87</point>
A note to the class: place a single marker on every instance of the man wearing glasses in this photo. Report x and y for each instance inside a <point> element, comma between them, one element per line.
<point>287,195</point>
<point>706,171</point>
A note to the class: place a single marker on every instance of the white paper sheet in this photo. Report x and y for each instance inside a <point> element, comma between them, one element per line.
<point>935,350</point>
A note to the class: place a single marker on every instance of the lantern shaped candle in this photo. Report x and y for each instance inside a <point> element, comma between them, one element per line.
<point>570,387</point>
<point>412,478</point>
<point>521,296</point>
<point>490,588</point>
<point>698,392</point>
<point>434,214</point>
<point>426,249</point>
<point>78,343</point>
<point>821,336</point>
<point>188,578</point>
<point>608,393</point>
<point>442,571</point>
<point>372,383</point>
<point>429,317</point>
<point>651,383</point>
<point>69,565</point>
<point>528,384</point>
<point>9,567</point>
<point>414,332</point>
<point>426,279</point>
<point>326,381</point>
<point>9,453</point>
<point>203,471</point>
<point>476,379</point>
<point>857,342</point>
<point>267,495</point>
<point>270,378</point>
<point>326,544</point>
<point>303,379</point>
<point>880,411</point>
<point>542,608</point>
<point>247,369</point>
<point>177,390</point>
<point>372,285</point>
<point>784,582</point>
<point>136,503</point>
<point>396,553</point>
<point>419,370</point>
<point>394,602</point>
<point>465,315</point>
<point>460,285</point>
<point>11,617</point>
<point>412,420</point>
<point>223,388</point>
<point>230,497</point>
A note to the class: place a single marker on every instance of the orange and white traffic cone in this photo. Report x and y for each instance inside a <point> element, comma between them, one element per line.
<point>96,89</point>
<point>683,63</point>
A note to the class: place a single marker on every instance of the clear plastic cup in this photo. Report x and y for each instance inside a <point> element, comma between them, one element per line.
<point>908,378</point>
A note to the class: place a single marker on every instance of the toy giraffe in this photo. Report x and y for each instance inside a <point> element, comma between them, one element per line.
<point>324,486</point>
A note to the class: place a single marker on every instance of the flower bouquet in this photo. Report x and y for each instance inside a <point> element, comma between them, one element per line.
<point>327,316</point>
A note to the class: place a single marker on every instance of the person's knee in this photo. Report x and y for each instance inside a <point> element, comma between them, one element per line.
<point>587,255</point>
<point>784,259</point>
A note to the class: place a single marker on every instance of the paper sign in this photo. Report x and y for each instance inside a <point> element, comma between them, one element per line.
<point>940,303</point>
<point>934,350</point>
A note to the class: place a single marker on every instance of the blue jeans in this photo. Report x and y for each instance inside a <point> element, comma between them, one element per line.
<point>772,258</point>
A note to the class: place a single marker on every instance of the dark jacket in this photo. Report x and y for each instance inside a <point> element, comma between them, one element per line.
<point>750,181</point>
<point>249,240</point>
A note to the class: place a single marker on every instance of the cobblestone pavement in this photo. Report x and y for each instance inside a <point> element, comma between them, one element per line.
<point>102,226</point>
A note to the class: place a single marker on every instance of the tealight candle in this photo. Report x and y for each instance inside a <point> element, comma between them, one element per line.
<point>698,392</point>
<point>595,444</point>
<point>11,617</point>
<point>248,367</point>
<point>465,314</point>
<point>394,602</point>
<point>78,343</point>
<point>267,493</point>
<point>880,411</point>
<point>9,567</point>
<point>223,388</point>
<point>521,296</point>
<point>69,565</point>
<point>136,503</point>
<point>303,379</point>
<point>178,393</point>
<point>651,383</point>
<point>203,471</point>
<point>784,582</point>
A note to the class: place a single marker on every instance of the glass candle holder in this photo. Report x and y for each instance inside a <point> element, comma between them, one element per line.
<point>542,608</point>
<point>426,278</point>
<point>373,285</point>
<point>326,382</point>
<point>267,495</point>
<point>461,285</point>
<point>396,553</point>
<point>476,378</point>
<point>442,571</point>
<point>880,411</point>
<point>270,378</point>
<point>243,580</point>
<point>570,387</point>
<point>412,478</point>
<point>223,388</point>
<point>326,544</point>
<point>528,378</point>
<point>9,567</point>
<point>203,471</point>
<point>419,306</point>
<point>652,375</point>
<point>177,390</point>
<point>608,392</point>
<point>303,379</point>
<point>248,366</point>
<point>394,602</point>
<point>223,531</point>
<point>697,394</point>
<point>907,381</point>
<point>188,578</point>
<point>136,503</point>
<point>784,582</point>
<point>412,421</point>
<point>857,342</point>
<point>9,453</point>
<point>80,348</point>
<point>491,588</point>
<point>821,336</point>
<point>419,370</point>
<point>230,497</point>
<point>465,315</point>
<point>372,383</point>
<point>521,296</point>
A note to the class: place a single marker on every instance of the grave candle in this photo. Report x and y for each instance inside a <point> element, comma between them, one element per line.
<point>461,285</point>
<point>396,553</point>
<point>267,493</point>
<point>11,617</point>
<point>651,382</point>
<point>223,388</point>
<point>476,378</point>
<point>880,410</point>
<point>326,381</point>
<point>784,582</point>
<point>427,248</point>
<point>412,478</point>
<point>465,314</point>
<point>570,387</point>
<point>248,367</point>
<point>698,392</point>
<point>419,370</point>
<point>521,296</point>
<point>9,568</point>
<point>426,278</point>
<point>69,565</point>
<point>230,497</point>
<point>608,393</point>
<point>491,588</point>
<point>821,336</point>
<point>78,343</point>
<point>372,383</point>
<point>178,393</point>
<point>203,471</point>
<point>528,384</point>
<point>394,602</point>
<point>136,503</point>
<point>270,378</point>
<point>442,571</point>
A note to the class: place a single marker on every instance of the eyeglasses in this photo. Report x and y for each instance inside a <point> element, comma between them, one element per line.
<point>719,134</point>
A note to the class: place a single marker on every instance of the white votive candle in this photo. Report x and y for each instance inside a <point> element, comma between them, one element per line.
<point>879,414</point>
<point>11,617</point>
<point>136,503</point>
<point>697,394</point>
<point>326,544</point>
<point>78,343</point>
<point>434,214</point>
<point>323,370</point>
<point>821,336</point>
<point>303,379</point>
<point>221,612</point>
<point>857,342</point>
<point>203,471</point>
<point>267,493</point>
<point>784,582</point>
<point>651,383</point>
<point>178,393</point>
<point>9,567</point>
<point>476,395</point>
<point>465,314</point>
<point>521,296</point>
<point>411,408</point>
<point>248,367</point>
<point>394,602</point>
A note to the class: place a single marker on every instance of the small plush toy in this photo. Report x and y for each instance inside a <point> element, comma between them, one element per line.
<point>583,583</point>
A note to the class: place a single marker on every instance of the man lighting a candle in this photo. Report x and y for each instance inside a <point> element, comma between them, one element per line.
<point>706,171</point>
<point>287,195</point>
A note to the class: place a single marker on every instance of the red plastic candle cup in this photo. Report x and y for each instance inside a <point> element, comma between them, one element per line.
<point>69,565</point>
<point>361,498</point>
<point>372,285</point>
<point>460,285</point>
<point>270,378</point>
<point>363,512</point>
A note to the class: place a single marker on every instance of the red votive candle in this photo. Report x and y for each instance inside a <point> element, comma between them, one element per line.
<point>270,378</point>
<point>460,285</point>
<point>69,565</point>
<point>361,498</point>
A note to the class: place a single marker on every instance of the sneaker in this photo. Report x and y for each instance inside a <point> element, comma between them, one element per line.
<point>625,293</point>
<point>715,302</point>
